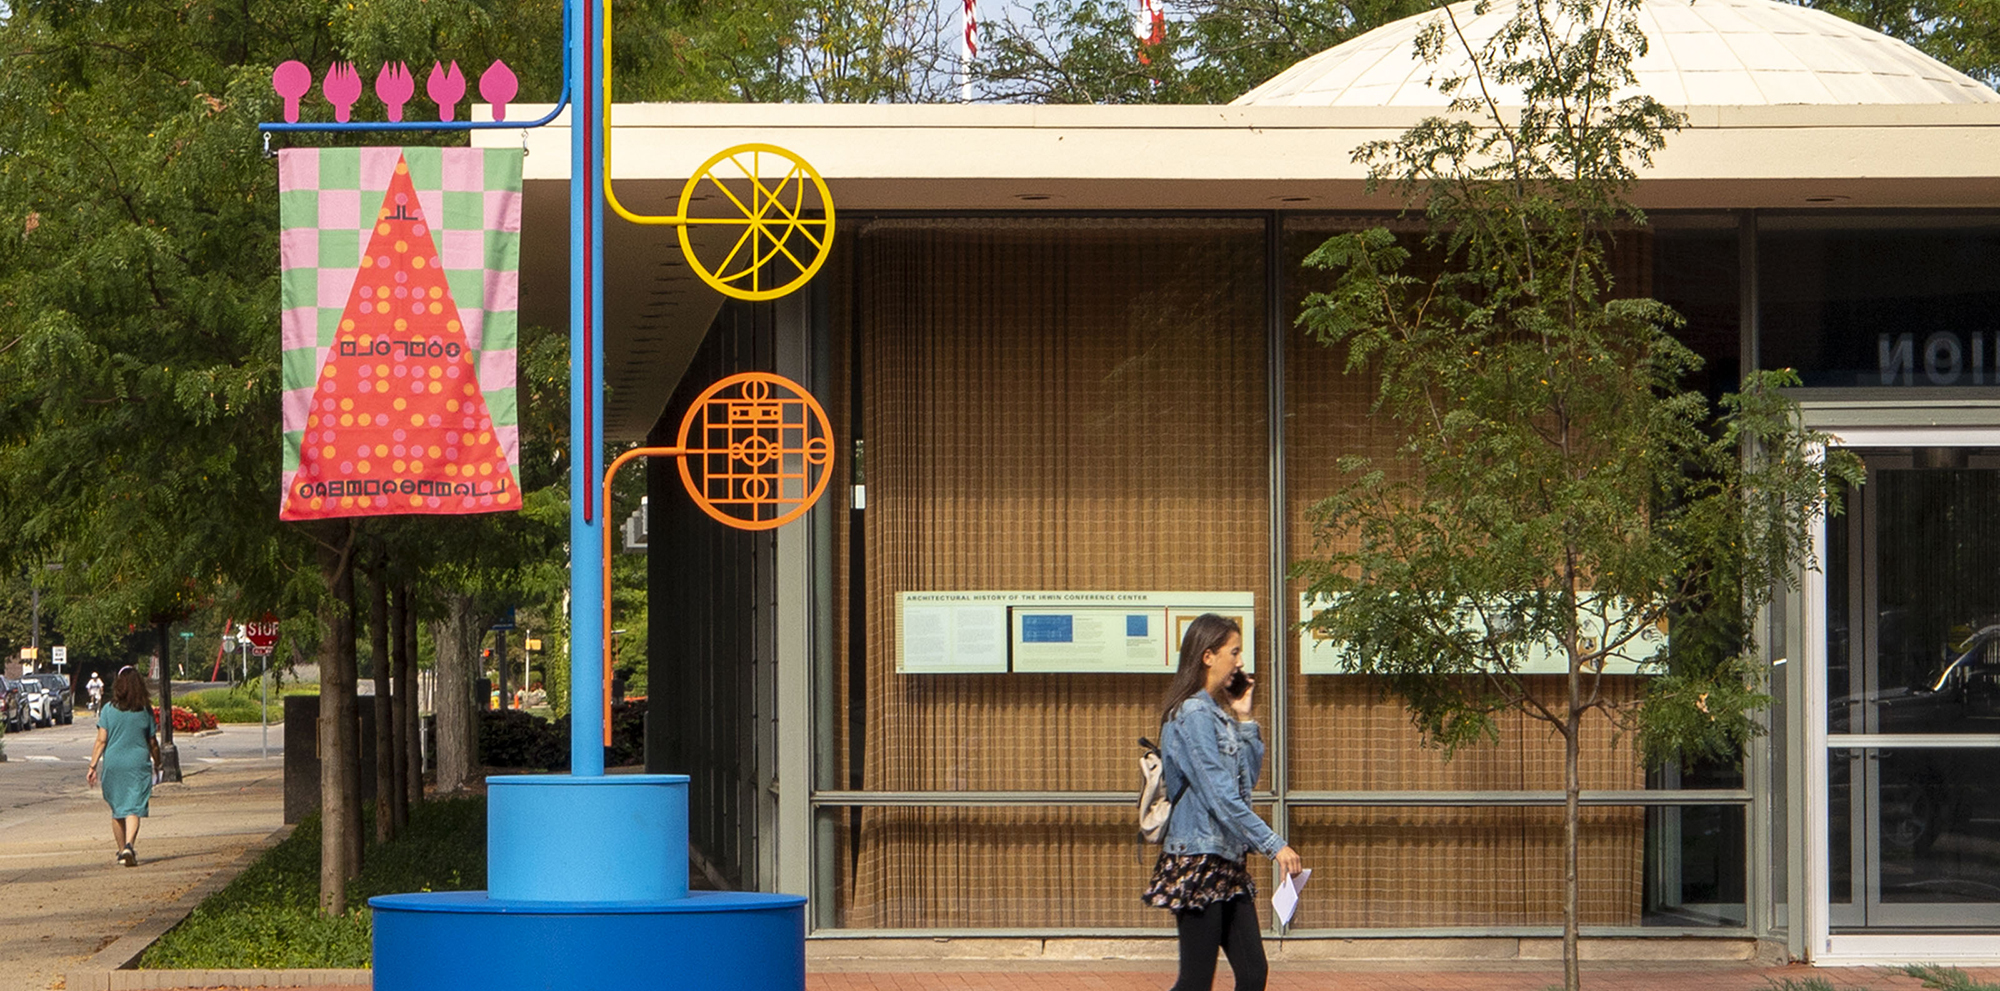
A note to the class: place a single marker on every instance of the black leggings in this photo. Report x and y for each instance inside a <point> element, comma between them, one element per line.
<point>1231,925</point>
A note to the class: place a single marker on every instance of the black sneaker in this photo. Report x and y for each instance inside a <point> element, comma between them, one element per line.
<point>127,857</point>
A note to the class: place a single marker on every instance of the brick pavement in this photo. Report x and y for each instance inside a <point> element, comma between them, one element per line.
<point>989,976</point>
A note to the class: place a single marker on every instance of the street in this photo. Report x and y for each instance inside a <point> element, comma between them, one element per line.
<point>44,765</point>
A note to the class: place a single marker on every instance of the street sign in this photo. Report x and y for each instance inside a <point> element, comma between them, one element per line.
<point>506,622</point>
<point>59,655</point>
<point>262,634</point>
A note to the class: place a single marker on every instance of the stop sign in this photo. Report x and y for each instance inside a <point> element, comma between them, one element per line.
<point>262,634</point>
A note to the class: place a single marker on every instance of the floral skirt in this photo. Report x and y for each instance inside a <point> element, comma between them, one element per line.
<point>1189,882</point>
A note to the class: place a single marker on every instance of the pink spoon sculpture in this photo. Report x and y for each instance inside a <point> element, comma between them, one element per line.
<point>292,80</point>
<point>445,88</point>
<point>342,87</point>
<point>498,86</point>
<point>394,86</point>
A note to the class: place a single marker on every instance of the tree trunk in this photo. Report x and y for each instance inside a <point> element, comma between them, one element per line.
<point>396,799</point>
<point>385,716</point>
<point>407,702</point>
<point>338,640</point>
<point>350,727</point>
<point>457,637</point>
<point>1572,812</point>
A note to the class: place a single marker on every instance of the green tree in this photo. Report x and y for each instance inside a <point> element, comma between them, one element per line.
<point>1213,51</point>
<point>139,381</point>
<point>1557,491</point>
<point>825,51</point>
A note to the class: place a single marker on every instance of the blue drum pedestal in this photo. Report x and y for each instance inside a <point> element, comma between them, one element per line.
<point>710,941</point>
<point>588,892</point>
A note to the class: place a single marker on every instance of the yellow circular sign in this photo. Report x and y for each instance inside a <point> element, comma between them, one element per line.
<point>756,221</point>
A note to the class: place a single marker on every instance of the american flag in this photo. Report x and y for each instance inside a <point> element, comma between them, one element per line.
<point>1151,23</point>
<point>968,50</point>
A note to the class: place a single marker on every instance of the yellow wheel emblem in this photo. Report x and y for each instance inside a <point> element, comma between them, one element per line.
<point>756,221</point>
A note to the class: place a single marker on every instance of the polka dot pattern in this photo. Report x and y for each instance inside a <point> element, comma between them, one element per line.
<point>385,436</point>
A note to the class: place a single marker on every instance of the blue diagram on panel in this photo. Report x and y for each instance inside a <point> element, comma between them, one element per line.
<point>1048,629</point>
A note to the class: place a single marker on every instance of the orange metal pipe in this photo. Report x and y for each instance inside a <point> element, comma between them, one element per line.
<point>611,473</point>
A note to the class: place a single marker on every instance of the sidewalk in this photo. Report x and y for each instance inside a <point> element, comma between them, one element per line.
<point>68,906</point>
<point>71,916</point>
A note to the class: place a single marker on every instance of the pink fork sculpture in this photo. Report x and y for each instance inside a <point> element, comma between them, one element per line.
<point>342,87</point>
<point>394,86</point>
<point>445,88</point>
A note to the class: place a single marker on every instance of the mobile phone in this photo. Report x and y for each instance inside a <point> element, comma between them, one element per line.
<point>1238,684</point>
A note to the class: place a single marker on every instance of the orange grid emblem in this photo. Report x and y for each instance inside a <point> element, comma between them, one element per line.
<point>756,451</point>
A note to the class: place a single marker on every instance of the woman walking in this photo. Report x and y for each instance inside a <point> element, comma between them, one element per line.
<point>1213,751</point>
<point>127,752</point>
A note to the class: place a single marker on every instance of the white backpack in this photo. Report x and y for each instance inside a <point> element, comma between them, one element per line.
<point>1155,808</point>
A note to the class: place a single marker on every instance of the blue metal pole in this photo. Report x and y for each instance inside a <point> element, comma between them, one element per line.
<point>586,391</point>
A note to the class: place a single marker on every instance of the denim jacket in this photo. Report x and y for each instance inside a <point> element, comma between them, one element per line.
<point>1212,762</point>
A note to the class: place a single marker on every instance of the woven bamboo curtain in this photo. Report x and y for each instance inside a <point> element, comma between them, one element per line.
<point>1050,406</point>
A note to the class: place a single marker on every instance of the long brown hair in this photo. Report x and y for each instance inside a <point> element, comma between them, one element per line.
<point>1208,632</point>
<point>128,692</point>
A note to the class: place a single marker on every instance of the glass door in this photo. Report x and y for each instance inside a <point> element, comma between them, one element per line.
<point>1913,693</point>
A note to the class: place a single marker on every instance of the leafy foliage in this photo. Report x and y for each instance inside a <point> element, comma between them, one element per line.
<point>1086,51</point>
<point>511,738</point>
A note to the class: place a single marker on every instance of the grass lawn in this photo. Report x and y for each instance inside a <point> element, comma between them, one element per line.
<point>241,704</point>
<point>268,918</point>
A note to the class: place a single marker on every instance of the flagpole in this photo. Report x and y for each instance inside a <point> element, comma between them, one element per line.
<point>968,48</point>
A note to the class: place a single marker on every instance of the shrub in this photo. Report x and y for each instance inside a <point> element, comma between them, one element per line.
<point>515,739</point>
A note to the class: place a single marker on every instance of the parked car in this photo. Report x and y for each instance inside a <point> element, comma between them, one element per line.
<point>59,703</point>
<point>37,696</point>
<point>13,704</point>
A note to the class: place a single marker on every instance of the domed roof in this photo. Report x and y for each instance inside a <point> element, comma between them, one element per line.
<point>1699,53</point>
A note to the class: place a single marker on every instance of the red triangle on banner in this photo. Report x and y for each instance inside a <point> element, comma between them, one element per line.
<point>398,424</point>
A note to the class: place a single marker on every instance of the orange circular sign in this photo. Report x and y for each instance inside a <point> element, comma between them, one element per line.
<point>758,451</point>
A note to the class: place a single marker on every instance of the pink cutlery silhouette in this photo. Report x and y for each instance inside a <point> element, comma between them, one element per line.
<point>445,88</point>
<point>394,86</point>
<point>498,85</point>
<point>292,80</point>
<point>342,87</point>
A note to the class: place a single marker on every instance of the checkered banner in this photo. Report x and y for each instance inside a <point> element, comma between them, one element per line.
<point>401,269</point>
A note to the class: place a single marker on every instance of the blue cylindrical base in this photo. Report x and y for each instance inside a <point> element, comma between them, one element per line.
<point>559,838</point>
<point>714,941</point>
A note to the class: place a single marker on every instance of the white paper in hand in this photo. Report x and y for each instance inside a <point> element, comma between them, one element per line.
<point>1285,900</point>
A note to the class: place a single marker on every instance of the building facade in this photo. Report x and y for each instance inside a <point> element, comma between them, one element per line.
<point>1072,407</point>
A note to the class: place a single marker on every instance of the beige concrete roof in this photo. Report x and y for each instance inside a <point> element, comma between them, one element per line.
<point>1704,52</point>
<point>1240,158</point>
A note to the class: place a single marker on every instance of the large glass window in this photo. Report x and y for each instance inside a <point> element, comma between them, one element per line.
<point>1899,303</point>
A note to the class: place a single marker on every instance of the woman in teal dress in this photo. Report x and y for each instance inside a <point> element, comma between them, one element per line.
<point>126,753</point>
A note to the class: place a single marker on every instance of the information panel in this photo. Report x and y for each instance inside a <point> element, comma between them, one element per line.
<point>1056,632</point>
<point>1322,656</point>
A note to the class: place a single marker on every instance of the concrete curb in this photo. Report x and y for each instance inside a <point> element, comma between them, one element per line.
<point>110,969</point>
<point>181,980</point>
